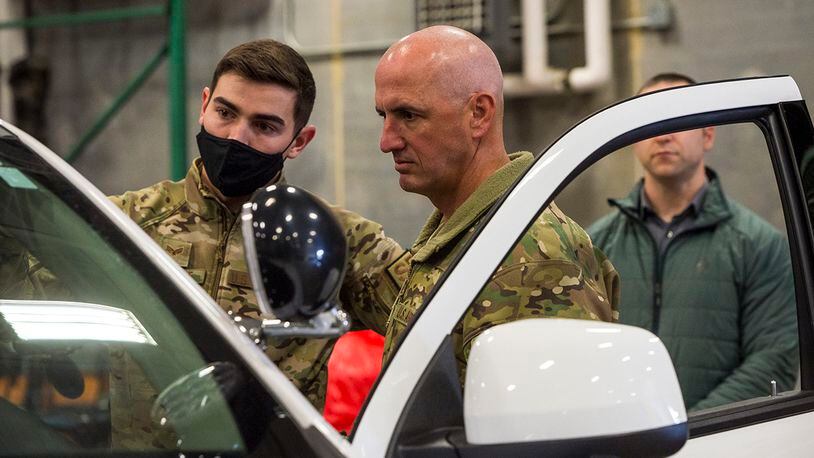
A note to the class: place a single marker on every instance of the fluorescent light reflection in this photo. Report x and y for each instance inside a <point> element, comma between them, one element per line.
<point>603,330</point>
<point>60,320</point>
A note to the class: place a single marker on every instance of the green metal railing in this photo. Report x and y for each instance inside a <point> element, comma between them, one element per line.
<point>173,49</point>
<point>177,87</point>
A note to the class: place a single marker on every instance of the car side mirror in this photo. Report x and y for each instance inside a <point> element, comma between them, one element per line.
<point>576,386</point>
<point>296,253</point>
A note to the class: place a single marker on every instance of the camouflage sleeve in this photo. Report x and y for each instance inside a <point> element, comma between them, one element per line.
<point>610,278</point>
<point>119,201</point>
<point>23,277</point>
<point>147,204</point>
<point>369,288</point>
<point>14,269</point>
<point>46,285</point>
<point>131,399</point>
<point>553,272</point>
<point>127,203</point>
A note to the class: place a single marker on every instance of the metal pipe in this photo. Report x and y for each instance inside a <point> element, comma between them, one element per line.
<point>125,95</point>
<point>72,19</point>
<point>537,77</point>
<point>177,86</point>
<point>598,53</point>
<point>659,17</point>
<point>535,41</point>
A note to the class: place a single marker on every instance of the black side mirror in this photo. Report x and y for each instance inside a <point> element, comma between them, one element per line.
<point>296,253</point>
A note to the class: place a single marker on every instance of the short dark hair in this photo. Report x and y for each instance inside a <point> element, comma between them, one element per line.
<point>670,77</point>
<point>269,61</point>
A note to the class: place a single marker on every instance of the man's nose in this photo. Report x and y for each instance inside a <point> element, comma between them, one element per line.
<point>240,131</point>
<point>390,139</point>
<point>661,139</point>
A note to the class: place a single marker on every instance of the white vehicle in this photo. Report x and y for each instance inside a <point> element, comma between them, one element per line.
<point>533,388</point>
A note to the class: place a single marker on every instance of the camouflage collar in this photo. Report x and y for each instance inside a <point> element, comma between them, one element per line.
<point>433,238</point>
<point>201,200</point>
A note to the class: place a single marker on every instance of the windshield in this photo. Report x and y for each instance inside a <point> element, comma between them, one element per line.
<point>87,343</point>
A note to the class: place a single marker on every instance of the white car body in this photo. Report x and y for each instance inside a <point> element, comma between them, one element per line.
<point>518,209</point>
<point>780,432</point>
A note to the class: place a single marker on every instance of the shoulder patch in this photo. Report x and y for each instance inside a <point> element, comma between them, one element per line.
<point>399,269</point>
<point>179,250</point>
<point>239,278</point>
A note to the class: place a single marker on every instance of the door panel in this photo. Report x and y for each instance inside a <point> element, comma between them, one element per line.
<point>783,437</point>
<point>713,279</point>
<point>589,141</point>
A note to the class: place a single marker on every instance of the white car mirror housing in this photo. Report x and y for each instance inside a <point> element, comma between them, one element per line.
<point>601,385</point>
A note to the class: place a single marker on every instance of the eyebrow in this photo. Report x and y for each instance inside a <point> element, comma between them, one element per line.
<point>402,106</point>
<point>261,116</point>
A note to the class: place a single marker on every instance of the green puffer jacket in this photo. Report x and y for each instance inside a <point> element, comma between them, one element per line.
<point>721,298</point>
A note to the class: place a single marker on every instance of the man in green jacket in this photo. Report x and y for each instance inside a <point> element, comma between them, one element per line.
<point>439,92</point>
<point>709,277</point>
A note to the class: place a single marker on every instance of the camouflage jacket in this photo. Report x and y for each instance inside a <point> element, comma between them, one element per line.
<point>554,271</point>
<point>205,238</point>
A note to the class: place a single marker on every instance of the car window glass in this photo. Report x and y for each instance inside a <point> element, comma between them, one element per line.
<point>86,343</point>
<point>711,276</point>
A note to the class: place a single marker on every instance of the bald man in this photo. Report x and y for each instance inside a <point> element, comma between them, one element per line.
<point>440,94</point>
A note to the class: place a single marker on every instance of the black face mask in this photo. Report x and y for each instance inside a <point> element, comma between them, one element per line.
<point>237,169</point>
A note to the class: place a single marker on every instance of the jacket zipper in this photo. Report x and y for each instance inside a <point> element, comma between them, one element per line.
<point>221,254</point>
<point>658,264</point>
<point>657,276</point>
<point>398,296</point>
<point>657,272</point>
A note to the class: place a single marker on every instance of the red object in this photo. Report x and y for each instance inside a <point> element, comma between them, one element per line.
<point>354,365</point>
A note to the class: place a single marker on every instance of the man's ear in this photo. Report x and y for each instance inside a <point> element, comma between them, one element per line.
<point>303,139</point>
<point>709,138</point>
<point>483,108</point>
<point>204,102</point>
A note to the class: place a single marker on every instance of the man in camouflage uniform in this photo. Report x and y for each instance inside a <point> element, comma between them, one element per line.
<point>439,92</point>
<point>256,111</point>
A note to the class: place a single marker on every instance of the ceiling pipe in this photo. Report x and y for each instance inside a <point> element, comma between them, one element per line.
<point>598,53</point>
<point>537,77</point>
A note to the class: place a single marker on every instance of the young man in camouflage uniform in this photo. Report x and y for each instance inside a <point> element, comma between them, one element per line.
<point>253,116</point>
<point>440,94</point>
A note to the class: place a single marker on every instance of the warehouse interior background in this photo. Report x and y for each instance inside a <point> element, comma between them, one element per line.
<point>58,78</point>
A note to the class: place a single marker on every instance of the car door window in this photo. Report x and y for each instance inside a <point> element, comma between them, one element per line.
<point>713,278</point>
<point>87,343</point>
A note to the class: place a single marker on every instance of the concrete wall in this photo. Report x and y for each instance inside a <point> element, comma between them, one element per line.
<point>12,48</point>
<point>709,41</point>
<point>733,39</point>
<point>91,64</point>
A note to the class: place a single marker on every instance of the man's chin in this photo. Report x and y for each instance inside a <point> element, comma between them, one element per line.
<point>671,175</point>
<point>665,171</point>
<point>407,184</point>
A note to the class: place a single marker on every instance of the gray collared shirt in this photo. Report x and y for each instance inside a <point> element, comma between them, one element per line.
<point>664,232</point>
